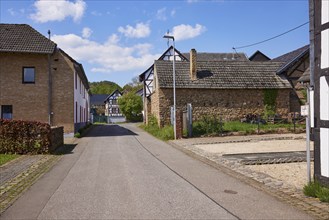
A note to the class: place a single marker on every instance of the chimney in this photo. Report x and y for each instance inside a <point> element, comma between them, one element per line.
<point>193,64</point>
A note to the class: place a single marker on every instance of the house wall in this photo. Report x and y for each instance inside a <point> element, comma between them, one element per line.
<point>81,103</point>
<point>29,101</point>
<point>230,104</point>
<point>63,93</point>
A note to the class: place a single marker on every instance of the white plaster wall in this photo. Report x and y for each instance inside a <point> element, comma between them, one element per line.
<point>325,49</point>
<point>82,100</point>
<point>325,11</point>
<point>324,149</point>
<point>324,99</point>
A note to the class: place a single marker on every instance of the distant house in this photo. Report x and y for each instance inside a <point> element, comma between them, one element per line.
<point>112,108</point>
<point>259,56</point>
<point>97,103</point>
<point>228,88</point>
<point>39,81</point>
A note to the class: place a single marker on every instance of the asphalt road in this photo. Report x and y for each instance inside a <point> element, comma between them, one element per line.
<point>121,172</point>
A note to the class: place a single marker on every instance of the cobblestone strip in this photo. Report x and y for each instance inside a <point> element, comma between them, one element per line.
<point>273,161</point>
<point>13,188</point>
<point>12,169</point>
<point>275,187</point>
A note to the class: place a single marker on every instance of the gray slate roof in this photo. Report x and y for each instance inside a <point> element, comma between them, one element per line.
<point>222,75</point>
<point>289,59</point>
<point>219,56</point>
<point>98,99</point>
<point>23,38</point>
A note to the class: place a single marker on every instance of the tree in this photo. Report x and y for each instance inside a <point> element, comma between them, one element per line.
<point>133,86</point>
<point>103,87</point>
<point>131,105</point>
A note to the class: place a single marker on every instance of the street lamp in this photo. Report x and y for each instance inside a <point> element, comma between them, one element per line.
<point>174,80</point>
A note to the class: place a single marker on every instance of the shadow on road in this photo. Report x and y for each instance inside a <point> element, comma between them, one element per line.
<point>109,131</point>
<point>65,149</point>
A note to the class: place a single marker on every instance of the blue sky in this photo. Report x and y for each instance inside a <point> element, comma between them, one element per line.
<point>118,40</point>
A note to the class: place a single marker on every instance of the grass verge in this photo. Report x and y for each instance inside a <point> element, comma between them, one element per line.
<point>4,158</point>
<point>214,127</point>
<point>315,189</point>
<point>166,133</point>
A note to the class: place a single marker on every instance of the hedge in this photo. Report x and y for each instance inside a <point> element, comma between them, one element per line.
<point>24,137</point>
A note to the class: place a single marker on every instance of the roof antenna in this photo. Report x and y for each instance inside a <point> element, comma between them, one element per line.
<point>49,34</point>
<point>168,38</point>
<point>234,49</point>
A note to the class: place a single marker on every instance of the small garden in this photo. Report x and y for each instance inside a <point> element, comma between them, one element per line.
<point>214,126</point>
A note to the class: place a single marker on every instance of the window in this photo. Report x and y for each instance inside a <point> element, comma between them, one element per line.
<point>7,112</point>
<point>28,75</point>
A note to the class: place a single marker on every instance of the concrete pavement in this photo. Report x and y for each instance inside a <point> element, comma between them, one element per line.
<point>123,172</point>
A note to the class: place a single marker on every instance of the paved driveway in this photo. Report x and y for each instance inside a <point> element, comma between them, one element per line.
<point>122,172</point>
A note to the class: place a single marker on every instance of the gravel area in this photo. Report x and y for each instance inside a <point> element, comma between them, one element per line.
<point>258,146</point>
<point>294,174</point>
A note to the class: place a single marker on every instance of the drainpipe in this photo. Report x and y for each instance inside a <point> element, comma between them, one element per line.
<point>49,88</point>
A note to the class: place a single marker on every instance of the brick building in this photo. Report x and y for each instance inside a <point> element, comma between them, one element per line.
<point>39,81</point>
<point>231,88</point>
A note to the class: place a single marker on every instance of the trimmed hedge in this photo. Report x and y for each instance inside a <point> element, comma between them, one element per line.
<point>24,137</point>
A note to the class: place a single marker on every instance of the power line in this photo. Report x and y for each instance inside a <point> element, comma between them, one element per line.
<point>263,41</point>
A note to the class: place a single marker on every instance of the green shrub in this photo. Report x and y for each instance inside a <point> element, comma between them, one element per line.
<point>207,126</point>
<point>323,194</point>
<point>311,189</point>
<point>77,135</point>
<point>24,137</point>
<point>315,189</point>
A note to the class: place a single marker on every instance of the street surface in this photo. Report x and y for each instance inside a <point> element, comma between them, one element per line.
<point>121,172</point>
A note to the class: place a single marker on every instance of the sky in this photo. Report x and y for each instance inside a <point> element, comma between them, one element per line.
<point>118,40</point>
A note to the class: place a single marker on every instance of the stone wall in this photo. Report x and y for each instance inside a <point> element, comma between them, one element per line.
<point>57,138</point>
<point>230,104</point>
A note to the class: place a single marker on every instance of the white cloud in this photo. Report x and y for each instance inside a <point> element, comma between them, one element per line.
<point>58,10</point>
<point>192,1</point>
<point>161,14</point>
<point>86,32</point>
<point>141,30</point>
<point>184,31</point>
<point>173,13</point>
<point>109,56</point>
<point>11,12</point>
<point>96,13</point>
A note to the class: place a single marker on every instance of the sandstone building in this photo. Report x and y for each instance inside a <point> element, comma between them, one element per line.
<point>228,85</point>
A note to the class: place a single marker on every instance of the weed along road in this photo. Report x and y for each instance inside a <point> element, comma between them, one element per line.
<point>121,172</point>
